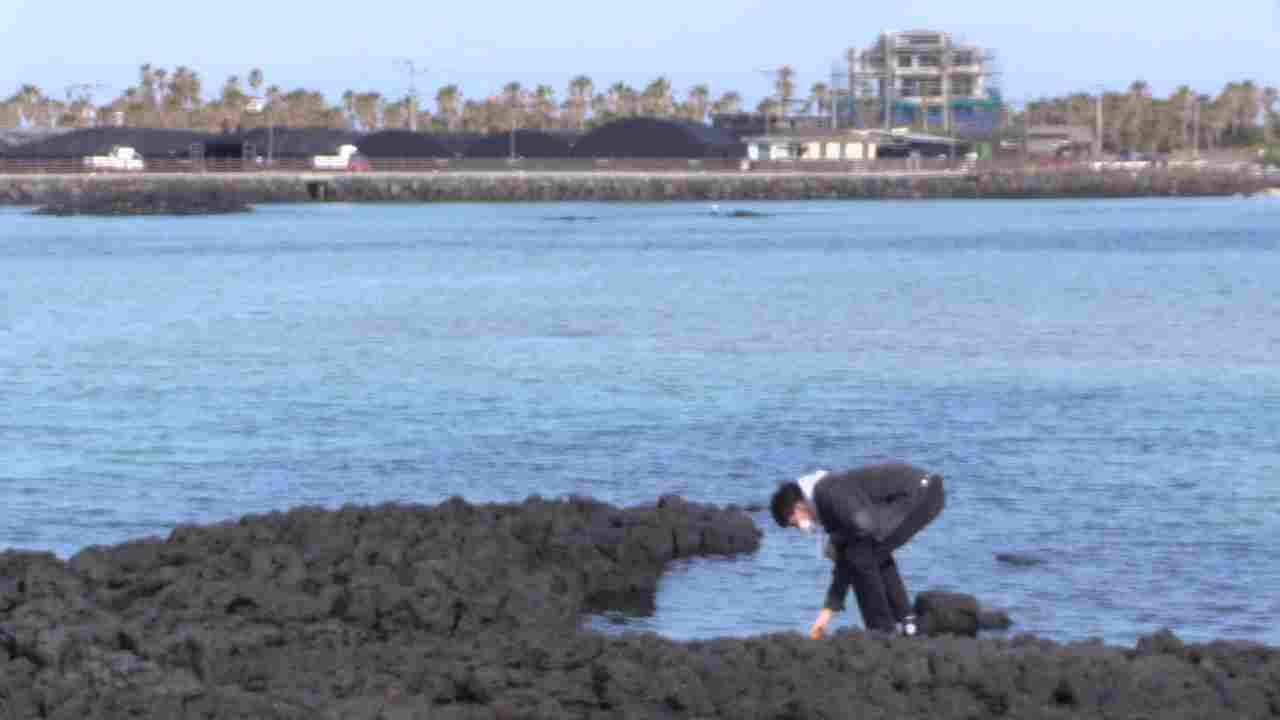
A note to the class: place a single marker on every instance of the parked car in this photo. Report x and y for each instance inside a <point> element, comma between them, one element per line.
<point>341,161</point>
<point>120,159</point>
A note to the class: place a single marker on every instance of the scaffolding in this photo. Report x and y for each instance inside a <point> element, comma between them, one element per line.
<point>919,79</point>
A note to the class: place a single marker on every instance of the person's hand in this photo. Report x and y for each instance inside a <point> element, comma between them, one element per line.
<point>819,629</point>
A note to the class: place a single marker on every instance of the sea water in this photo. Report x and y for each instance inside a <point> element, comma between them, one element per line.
<point>1099,382</point>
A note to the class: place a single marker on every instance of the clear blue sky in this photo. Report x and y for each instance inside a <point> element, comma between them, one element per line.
<point>1045,48</point>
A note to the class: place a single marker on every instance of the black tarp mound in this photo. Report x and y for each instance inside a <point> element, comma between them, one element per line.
<point>149,142</point>
<point>528,143</point>
<point>283,142</point>
<point>405,144</point>
<point>647,137</point>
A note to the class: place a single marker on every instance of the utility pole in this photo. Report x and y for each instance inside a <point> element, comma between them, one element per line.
<point>1097,128</point>
<point>1195,132</point>
<point>411,67</point>
<point>888,90</point>
<point>834,97</point>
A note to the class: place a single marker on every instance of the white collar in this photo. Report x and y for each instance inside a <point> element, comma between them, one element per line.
<point>807,483</point>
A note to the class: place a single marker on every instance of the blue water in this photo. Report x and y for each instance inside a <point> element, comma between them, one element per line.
<point>1097,380</point>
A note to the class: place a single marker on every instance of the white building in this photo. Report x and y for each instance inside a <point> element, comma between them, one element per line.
<point>815,144</point>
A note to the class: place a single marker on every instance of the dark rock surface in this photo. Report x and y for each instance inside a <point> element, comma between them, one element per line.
<point>952,613</point>
<point>1018,559</point>
<point>472,611</point>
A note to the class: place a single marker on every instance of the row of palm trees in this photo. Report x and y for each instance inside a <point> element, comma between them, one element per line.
<point>1241,113</point>
<point>176,100</point>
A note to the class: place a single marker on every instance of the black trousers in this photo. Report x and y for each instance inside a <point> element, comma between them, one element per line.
<point>882,596</point>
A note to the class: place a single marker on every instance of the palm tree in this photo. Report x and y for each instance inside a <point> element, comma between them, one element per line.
<point>182,97</point>
<point>544,102</point>
<point>35,110</point>
<point>513,99</point>
<point>656,98</point>
<point>730,103</point>
<point>26,101</point>
<point>447,106</point>
<point>784,88</point>
<point>147,83</point>
<point>10,117</point>
<point>1271,119</point>
<point>396,114</point>
<point>580,93</point>
<point>696,104</point>
<point>601,108</point>
<point>819,95</point>
<point>368,109</point>
<point>349,108</point>
<point>1214,118</point>
<point>1248,107</point>
<point>1135,116</point>
<point>621,100</point>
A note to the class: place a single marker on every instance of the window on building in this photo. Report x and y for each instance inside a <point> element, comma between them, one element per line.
<point>910,88</point>
<point>930,60</point>
<point>931,88</point>
<point>962,85</point>
<point>963,57</point>
<point>904,61</point>
<point>926,39</point>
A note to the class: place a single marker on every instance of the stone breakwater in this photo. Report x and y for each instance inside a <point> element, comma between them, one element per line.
<point>635,186</point>
<point>473,611</point>
<point>135,196</point>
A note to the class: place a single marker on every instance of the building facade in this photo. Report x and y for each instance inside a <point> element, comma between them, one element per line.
<point>926,78</point>
<point>812,144</point>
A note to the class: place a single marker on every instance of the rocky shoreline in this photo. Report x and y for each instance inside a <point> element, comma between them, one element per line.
<point>473,611</point>
<point>540,186</point>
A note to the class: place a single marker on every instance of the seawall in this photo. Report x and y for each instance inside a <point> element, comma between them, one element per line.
<point>519,186</point>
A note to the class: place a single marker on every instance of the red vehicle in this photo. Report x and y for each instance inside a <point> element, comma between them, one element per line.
<point>359,163</point>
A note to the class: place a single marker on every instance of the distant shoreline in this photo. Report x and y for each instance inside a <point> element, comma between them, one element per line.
<point>550,186</point>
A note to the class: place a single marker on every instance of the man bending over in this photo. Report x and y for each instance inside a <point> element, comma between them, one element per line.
<point>867,513</point>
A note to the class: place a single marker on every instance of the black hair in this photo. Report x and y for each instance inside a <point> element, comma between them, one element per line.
<point>784,501</point>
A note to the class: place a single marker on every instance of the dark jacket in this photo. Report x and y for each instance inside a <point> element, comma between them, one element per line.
<point>869,512</point>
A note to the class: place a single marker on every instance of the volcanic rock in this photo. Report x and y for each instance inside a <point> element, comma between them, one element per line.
<point>1018,559</point>
<point>473,611</point>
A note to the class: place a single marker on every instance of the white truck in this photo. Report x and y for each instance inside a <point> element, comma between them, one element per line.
<point>341,161</point>
<point>120,159</point>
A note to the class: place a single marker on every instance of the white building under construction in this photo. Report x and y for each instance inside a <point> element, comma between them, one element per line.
<point>924,78</point>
